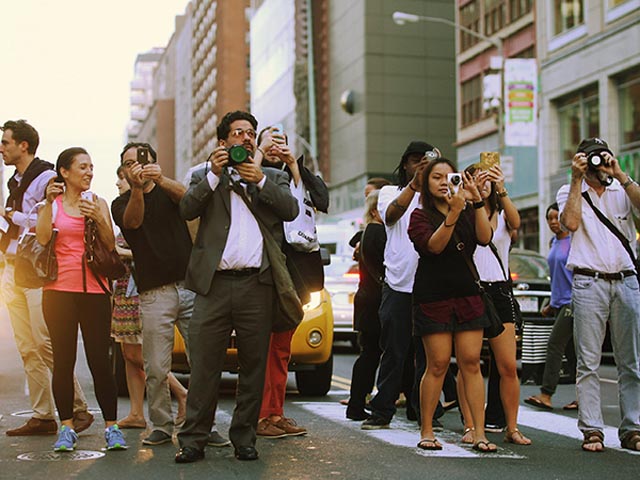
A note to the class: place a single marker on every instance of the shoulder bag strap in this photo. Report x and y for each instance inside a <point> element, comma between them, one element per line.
<point>494,249</point>
<point>607,223</point>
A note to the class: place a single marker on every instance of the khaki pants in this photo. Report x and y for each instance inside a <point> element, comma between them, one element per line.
<point>34,345</point>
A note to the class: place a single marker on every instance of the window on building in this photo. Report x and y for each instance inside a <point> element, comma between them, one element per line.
<point>629,102</point>
<point>579,117</point>
<point>494,15</point>
<point>470,18</point>
<point>519,8</point>
<point>471,100</point>
<point>529,230</point>
<point>567,14</point>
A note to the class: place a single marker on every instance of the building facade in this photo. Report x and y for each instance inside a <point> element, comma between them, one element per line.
<point>589,52</point>
<point>481,120</point>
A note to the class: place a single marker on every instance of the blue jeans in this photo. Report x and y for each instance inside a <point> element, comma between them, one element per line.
<point>596,302</point>
<point>395,339</point>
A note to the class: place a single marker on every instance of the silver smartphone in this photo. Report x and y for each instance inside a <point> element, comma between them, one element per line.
<point>455,182</point>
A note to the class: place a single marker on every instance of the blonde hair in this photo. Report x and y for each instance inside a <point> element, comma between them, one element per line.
<point>370,206</point>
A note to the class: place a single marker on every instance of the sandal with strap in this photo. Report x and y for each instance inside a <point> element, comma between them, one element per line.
<point>593,437</point>
<point>510,436</point>
<point>631,441</point>
<point>467,430</point>
<point>429,444</point>
<point>487,447</point>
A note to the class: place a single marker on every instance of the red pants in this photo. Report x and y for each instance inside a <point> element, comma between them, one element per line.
<point>275,381</point>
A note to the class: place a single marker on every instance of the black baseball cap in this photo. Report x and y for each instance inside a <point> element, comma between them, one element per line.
<point>416,146</point>
<point>595,144</point>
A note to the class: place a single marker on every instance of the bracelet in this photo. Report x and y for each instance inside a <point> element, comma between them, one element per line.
<point>629,181</point>
<point>448,226</point>
<point>411,187</point>
<point>502,194</point>
<point>261,151</point>
<point>478,205</point>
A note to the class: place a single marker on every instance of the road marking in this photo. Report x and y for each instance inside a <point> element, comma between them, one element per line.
<point>566,426</point>
<point>405,434</point>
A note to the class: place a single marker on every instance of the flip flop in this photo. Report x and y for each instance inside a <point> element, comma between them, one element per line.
<point>571,406</point>
<point>535,402</point>
<point>476,447</point>
<point>429,444</point>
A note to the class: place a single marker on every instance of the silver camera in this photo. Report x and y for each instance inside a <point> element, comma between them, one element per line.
<point>455,182</point>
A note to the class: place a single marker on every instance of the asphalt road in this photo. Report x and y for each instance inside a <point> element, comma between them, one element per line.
<point>335,447</point>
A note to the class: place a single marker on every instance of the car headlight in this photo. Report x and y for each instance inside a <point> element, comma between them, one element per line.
<point>315,338</point>
<point>314,302</point>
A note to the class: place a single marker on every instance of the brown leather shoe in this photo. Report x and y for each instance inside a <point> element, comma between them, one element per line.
<point>267,429</point>
<point>35,426</point>
<point>82,421</point>
<point>290,427</point>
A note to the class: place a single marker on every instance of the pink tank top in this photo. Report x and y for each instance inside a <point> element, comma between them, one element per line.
<point>69,251</point>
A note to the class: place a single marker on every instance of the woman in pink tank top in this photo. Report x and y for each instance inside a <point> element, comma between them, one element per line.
<point>70,300</point>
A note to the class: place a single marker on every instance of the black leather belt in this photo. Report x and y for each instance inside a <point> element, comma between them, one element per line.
<point>604,276</point>
<point>242,272</point>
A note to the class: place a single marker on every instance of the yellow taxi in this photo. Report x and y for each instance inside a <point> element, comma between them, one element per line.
<point>311,348</point>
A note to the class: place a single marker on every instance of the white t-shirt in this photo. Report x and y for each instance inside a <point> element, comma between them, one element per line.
<point>486,262</point>
<point>593,246</point>
<point>400,257</point>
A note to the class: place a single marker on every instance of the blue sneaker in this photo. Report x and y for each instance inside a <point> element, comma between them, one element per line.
<point>115,439</point>
<point>67,440</point>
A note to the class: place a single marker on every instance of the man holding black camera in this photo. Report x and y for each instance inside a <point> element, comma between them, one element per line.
<point>240,206</point>
<point>149,218</point>
<point>26,188</point>
<point>598,207</point>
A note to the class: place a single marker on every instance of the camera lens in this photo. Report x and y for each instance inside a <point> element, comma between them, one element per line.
<point>455,180</point>
<point>595,160</point>
<point>430,155</point>
<point>238,154</point>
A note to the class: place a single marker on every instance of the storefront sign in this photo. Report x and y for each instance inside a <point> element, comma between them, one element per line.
<point>521,92</point>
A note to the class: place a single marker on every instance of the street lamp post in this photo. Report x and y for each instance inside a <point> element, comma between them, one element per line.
<point>402,18</point>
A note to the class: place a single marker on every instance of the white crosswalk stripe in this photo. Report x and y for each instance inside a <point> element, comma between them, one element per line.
<point>404,433</point>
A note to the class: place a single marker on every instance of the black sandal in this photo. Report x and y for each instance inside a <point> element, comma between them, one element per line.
<point>476,447</point>
<point>593,437</point>
<point>631,440</point>
<point>435,444</point>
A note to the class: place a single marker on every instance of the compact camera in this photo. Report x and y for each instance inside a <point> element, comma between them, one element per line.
<point>237,154</point>
<point>455,182</point>
<point>596,160</point>
<point>430,155</point>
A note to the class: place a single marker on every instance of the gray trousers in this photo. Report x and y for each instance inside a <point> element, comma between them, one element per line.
<point>558,340</point>
<point>237,303</point>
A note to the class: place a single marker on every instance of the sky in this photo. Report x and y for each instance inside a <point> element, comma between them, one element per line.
<point>66,65</point>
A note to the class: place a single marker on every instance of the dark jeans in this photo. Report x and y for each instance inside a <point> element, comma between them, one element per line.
<point>63,312</point>
<point>560,336</point>
<point>363,376</point>
<point>395,341</point>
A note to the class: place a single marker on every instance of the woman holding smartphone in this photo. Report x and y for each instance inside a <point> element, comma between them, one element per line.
<point>447,306</point>
<point>77,297</point>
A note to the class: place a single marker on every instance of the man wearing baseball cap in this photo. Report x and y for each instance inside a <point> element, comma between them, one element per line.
<point>395,204</point>
<point>598,207</point>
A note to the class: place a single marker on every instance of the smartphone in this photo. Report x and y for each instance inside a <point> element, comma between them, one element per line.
<point>278,128</point>
<point>455,182</point>
<point>87,195</point>
<point>59,179</point>
<point>143,156</point>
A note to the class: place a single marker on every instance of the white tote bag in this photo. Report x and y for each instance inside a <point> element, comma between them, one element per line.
<point>301,233</point>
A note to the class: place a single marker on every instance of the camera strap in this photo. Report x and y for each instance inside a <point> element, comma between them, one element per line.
<point>607,223</point>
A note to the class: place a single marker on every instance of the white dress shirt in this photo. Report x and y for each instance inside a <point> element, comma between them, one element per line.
<point>244,242</point>
<point>400,257</point>
<point>593,246</point>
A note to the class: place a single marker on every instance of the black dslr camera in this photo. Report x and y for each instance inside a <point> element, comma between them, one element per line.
<point>237,154</point>
<point>596,160</point>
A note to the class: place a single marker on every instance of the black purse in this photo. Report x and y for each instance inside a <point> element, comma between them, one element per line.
<point>99,259</point>
<point>516,313</point>
<point>495,327</point>
<point>35,264</point>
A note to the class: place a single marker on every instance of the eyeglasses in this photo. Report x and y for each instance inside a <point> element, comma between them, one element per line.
<point>239,132</point>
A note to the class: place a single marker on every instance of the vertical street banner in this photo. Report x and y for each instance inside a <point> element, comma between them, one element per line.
<point>521,99</point>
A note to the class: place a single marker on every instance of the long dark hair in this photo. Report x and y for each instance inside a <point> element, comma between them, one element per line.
<point>425,196</point>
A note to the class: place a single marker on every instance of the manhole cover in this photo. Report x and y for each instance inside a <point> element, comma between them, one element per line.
<point>56,457</point>
<point>29,413</point>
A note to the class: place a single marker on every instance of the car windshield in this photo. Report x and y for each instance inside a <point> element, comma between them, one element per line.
<point>529,266</point>
<point>341,268</point>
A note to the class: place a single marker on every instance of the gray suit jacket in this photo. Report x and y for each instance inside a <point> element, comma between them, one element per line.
<point>273,205</point>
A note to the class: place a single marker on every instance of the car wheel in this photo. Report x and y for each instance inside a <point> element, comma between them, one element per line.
<point>118,369</point>
<point>316,382</point>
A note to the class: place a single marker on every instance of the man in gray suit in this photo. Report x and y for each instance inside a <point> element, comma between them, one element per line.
<point>230,272</point>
